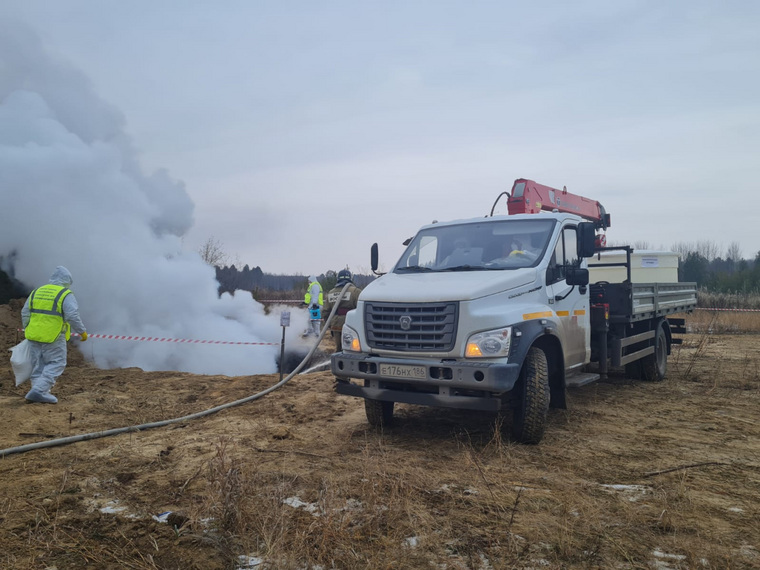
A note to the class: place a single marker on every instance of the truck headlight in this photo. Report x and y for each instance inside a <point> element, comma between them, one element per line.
<point>489,344</point>
<point>350,339</point>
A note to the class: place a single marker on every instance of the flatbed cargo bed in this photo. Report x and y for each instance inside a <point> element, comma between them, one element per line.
<point>631,302</point>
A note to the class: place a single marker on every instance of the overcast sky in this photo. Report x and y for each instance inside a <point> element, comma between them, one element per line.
<point>305,131</point>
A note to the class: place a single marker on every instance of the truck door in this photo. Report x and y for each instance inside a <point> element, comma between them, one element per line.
<point>569,303</point>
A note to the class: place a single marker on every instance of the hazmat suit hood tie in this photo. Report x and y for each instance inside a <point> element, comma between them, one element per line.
<point>61,276</point>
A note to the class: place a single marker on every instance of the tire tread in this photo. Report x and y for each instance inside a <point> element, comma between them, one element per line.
<point>650,368</point>
<point>530,417</point>
<point>379,413</point>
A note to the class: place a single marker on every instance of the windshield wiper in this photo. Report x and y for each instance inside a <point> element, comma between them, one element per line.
<point>465,268</point>
<point>419,268</point>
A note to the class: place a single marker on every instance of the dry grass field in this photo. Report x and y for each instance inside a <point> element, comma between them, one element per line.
<point>632,475</point>
<point>735,322</point>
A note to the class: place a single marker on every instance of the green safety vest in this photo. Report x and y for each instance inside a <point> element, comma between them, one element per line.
<point>46,318</point>
<point>307,297</point>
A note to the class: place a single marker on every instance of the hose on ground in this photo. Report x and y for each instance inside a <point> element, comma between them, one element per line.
<point>195,416</point>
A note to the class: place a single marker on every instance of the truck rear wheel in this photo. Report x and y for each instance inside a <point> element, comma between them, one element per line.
<point>533,398</point>
<point>379,413</point>
<point>655,366</point>
<point>633,370</point>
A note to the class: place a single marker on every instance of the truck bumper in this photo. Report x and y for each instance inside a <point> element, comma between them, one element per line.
<point>449,384</point>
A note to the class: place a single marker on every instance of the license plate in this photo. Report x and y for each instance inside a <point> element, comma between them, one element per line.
<point>403,371</point>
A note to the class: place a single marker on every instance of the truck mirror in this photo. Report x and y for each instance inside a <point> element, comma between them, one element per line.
<point>586,239</point>
<point>576,276</point>
<point>373,255</point>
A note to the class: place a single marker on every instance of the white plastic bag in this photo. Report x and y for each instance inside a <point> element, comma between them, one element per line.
<point>21,361</point>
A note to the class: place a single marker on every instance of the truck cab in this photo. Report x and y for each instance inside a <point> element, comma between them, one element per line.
<point>452,323</point>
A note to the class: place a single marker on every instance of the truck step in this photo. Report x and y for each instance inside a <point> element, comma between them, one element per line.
<point>581,379</point>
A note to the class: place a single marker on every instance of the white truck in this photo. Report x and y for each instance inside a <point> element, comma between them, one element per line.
<point>497,312</point>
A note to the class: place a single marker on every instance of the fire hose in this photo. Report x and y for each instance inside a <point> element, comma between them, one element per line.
<point>195,416</point>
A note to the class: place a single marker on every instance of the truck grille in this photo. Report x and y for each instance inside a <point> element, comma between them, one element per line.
<point>411,327</point>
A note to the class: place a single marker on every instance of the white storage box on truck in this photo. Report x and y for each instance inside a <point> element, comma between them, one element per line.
<point>647,266</point>
<point>498,312</point>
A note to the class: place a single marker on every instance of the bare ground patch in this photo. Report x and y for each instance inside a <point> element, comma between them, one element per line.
<point>631,475</point>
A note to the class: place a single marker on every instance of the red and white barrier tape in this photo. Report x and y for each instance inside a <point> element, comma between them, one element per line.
<point>697,308</point>
<point>165,339</point>
<point>733,310</point>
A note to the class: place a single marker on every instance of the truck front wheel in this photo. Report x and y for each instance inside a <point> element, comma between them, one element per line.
<point>379,413</point>
<point>533,396</point>
<point>654,366</point>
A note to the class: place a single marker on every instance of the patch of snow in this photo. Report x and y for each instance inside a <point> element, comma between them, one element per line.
<point>112,508</point>
<point>353,505</point>
<point>634,492</point>
<point>664,559</point>
<point>447,488</point>
<point>660,554</point>
<point>297,503</point>
<point>247,562</point>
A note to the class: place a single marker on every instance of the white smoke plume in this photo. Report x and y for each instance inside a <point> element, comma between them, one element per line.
<point>72,193</point>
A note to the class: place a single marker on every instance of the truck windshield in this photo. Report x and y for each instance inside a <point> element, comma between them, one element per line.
<point>477,246</point>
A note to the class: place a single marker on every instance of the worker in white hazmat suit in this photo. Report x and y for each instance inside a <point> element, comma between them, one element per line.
<point>49,315</point>
<point>314,300</point>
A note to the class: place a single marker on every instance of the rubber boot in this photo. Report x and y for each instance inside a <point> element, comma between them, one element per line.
<point>35,395</point>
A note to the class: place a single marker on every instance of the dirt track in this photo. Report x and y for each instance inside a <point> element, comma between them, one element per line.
<point>298,478</point>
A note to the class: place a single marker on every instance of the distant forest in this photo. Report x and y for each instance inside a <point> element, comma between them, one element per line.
<point>718,271</point>
<point>722,275</point>
<point>262,284</point>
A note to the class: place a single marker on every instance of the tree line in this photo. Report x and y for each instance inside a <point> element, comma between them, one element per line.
<point>261,284</point>
<point>721,275</point>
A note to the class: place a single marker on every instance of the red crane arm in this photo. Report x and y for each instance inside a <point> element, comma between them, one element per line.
<point>529,197</point>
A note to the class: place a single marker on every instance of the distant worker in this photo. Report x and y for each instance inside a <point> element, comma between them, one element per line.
<point>48,316</point>
<point>346,303</point>
<point>314,301</point>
